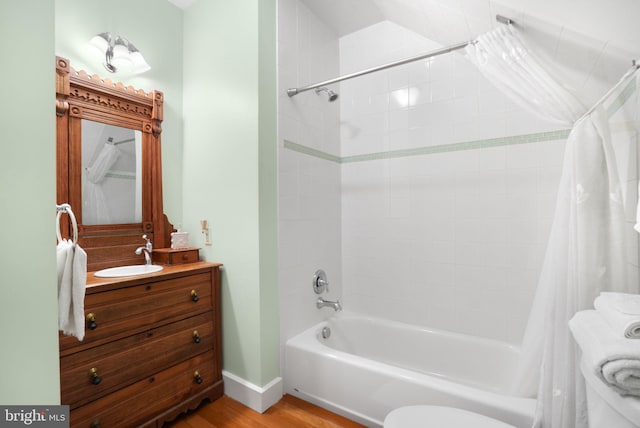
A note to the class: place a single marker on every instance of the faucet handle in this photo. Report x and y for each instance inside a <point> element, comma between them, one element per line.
<point>320,283</point>
<point>323,283</point>
<point>148,244</point>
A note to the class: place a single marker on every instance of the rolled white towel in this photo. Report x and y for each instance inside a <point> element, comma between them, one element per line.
<point>623,372</point>
<point>614,359</point>
<point>621,311</point>
<point>637,225</point>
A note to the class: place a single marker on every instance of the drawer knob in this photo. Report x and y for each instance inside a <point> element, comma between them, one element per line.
<point>91,321</point>
<point>196,336</point>
<point>95,424</point>
<point>95,379</point>
<point>194,295</point>
<point>197,378</point>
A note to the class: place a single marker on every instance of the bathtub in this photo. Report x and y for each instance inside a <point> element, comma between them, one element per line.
<point>369,366</point>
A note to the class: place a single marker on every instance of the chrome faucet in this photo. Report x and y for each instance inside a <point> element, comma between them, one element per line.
<point>147,250</point>
<point>321,303</point>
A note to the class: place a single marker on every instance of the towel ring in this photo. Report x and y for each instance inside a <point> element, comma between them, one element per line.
<point>66,208</point>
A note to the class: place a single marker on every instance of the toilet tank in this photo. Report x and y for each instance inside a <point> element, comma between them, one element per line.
<point>607,408</point>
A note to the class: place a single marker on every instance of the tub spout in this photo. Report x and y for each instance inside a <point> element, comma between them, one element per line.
<point>321,303</point>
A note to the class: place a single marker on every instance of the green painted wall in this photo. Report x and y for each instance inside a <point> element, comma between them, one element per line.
<point>228,114</point>
<point>29,370</point>
<point>268,188</point>
<point>230,170</point>
<point>155,28</point>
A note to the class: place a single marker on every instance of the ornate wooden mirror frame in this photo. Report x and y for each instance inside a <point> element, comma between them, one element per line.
<point>81,96</point>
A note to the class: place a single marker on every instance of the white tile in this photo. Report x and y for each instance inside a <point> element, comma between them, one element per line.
<point>523,156</point>
<point>522,181</point>
<point>399,98</point>
<point>442,133</point>
<point>464,130</point>
<point>521,207</point>
<point>418,72</point>
<point>419,93</point>
<point>420,116</point>
<point>397,78</point>
<point>418,137</point>
<point>443,90</point>
<point>464,232</point>
<point>441,68</point>
<point>398,119</point>
<point>493,158</point>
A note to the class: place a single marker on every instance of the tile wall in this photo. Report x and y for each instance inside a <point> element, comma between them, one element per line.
<point>309,187</point>
<point>451,240</point>
<point>624,123</point>
<point>425,193</point>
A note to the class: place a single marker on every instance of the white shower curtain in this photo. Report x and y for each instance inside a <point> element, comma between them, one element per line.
<point>95,209</point>
<point>586,255</point>
<point>137,218</point>
<point>586,252</point>
<point>505,61</point>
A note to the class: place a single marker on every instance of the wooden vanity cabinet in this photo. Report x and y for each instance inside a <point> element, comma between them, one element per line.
<point>152,348</point>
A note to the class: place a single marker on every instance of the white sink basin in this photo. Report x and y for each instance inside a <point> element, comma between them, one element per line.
<point>127,271</point>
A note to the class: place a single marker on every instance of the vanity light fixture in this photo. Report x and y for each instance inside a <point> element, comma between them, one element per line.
<point>119,53</point>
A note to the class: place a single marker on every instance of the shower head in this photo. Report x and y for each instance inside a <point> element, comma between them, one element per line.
<point>504,20</point>
<point>332,95</point>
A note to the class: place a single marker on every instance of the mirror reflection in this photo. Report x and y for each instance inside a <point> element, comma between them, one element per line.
<point>111,174</point>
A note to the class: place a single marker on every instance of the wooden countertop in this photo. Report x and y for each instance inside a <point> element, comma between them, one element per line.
<point>168,272</point>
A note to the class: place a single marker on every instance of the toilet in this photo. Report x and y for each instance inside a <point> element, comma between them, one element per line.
<point>607,408</point>
<point>439,417</point>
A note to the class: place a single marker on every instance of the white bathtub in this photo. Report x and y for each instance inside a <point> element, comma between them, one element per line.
<point>369,366</point>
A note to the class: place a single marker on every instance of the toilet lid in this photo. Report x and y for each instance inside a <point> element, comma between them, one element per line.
<point>439,417</point>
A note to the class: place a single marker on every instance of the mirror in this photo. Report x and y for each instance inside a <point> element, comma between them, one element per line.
<point>109,167</point>
<point>111,174</point>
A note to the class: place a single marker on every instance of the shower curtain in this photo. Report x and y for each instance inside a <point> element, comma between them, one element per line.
<point>587,248</point>
<point>138,192</point>
<point>504,60</point>
<point>95,209</point>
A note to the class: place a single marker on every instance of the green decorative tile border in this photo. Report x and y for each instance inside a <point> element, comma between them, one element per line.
<point>311,152</point>
<point>419,151</point>
<point>622,98</point>
<point>456,147</point>
<point>121,175</point>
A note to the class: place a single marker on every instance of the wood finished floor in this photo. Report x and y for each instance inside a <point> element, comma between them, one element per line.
<point>289,412</point>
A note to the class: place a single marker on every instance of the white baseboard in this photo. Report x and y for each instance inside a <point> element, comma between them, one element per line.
<point>253,396</point>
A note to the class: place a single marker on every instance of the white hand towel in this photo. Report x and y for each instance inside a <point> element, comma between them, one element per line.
<point>72,281</point>
<point>614,359</point>
<point>64,254</point>
<point>621,311</point>
<point>75,323</point>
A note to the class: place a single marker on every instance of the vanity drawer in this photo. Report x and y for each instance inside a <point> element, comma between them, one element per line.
<point>170,256</point>
<point>120,312</point>
<point>142,401</point>
<point>117,364</point>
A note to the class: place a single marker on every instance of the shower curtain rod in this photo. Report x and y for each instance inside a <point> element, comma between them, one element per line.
<point>115,143</point>
<point>295,91</point>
